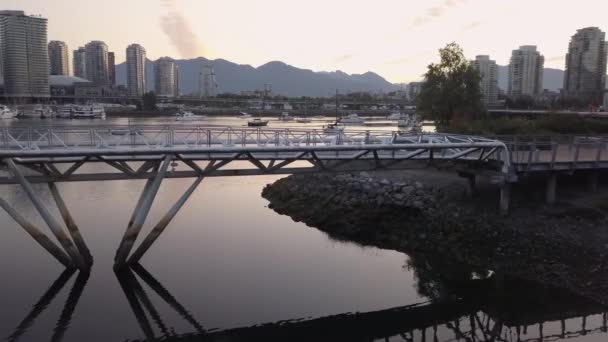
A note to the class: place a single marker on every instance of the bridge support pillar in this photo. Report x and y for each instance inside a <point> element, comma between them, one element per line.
<point>593,181</point>
<point>505,198</point>
<point>551,189</point>
<point>48,218</point>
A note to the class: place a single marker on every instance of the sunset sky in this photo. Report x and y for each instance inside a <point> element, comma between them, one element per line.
<point>395,38</point>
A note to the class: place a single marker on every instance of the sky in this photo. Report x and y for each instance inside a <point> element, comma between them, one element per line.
<point>394,38</point>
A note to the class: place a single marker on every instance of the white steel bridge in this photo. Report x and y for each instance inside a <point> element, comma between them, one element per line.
<point>58,154</point>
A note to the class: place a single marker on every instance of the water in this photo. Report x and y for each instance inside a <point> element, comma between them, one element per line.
<point>226,258</point>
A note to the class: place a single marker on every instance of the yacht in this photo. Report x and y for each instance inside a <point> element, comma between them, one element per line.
<point>244,116</point>
<point>352,118</point>
<point>89,112</point>
<point>257,122</point>
<point>7,113</point>
<point>189,116</point>
<point>285,117</point>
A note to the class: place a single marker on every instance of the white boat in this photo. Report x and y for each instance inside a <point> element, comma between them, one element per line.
<point>285,117</point>
<point>7,113</point>
<point>89,112</point>
<point>352,119</point>
<point>189,116</point>
<point>303,120</point>
<point>244,116</point>
<point>65,112</point>
<point>257,122</point>
<point>37,111</point>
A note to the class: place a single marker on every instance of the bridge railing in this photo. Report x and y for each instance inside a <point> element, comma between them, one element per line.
<point>556,149</point>
<point>25,138</point>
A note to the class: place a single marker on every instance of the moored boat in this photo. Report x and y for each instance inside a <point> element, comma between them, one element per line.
<point>189,116</point>
<point>352,119</point>
<point>7,113</point>
<point>88,112</point>
<point>285,117</point>
<point>244,116</point>
<point>303,120</point>
<point>257,122</point>
<point>333,128</point>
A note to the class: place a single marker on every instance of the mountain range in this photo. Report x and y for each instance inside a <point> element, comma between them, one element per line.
<point>291,81</point>
<point>284,79</point>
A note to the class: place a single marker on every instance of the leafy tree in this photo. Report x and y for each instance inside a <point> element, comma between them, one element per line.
<point>149,101</point>
<point>451,90</point>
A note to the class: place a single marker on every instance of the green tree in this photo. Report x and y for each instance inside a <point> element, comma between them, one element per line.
<point>451,90</point>
<point>149,101</point>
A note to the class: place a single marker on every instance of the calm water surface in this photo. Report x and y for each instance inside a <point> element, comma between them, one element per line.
<point>226,258</point>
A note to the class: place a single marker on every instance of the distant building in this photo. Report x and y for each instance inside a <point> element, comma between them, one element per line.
<point>207,82</point>
<point>24,57</point>
<point>136,70</point>
<point>585,76</point>
<point>489,78</point>
<point>79,63</point>
<point>413,90</point>
<point>606,102</point>
<point>58,58</point>
<point>62,85</point>
<point>166,78</point>
<point>112,68</point>
<point>96,56</point>
<point>526,72</point>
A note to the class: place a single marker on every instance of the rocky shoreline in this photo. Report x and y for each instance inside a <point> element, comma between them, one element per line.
<point>565,247</point>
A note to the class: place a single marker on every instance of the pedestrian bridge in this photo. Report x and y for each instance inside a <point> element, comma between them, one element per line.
<point>153,153</point>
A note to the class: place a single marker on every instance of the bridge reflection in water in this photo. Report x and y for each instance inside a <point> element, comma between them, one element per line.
<point>494,308</point>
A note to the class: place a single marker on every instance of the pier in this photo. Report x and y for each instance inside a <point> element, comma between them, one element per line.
<point>54,155</point>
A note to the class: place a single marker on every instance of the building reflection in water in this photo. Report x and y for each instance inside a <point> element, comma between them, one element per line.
<point>465,305</point>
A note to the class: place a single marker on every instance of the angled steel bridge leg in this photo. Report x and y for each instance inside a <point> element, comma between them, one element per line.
<point>55,227</point>
<point>140,214</point>
<point>37,235</point>
<point>71,225</point>
<point>164,222</point>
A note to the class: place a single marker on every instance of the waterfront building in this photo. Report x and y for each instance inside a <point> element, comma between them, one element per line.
<point>413,89</point>
<point>24,57</point>
<point>79,62</point>
<point>112,68</point>
<point>136,70</point>
<point>585,76</point>
<point>207,82</point>
<point>96,56</point>
<point>526,72</point>
<point>58,58</point>
<point>488,71</point>
<point>166,77</point>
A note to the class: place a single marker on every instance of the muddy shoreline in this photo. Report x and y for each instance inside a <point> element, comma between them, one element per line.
<point>426,213</point>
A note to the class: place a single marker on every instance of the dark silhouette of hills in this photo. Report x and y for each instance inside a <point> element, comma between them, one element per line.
<point>285,79</point>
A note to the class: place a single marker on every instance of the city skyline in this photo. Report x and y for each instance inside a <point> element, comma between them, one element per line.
<point>397,44</point>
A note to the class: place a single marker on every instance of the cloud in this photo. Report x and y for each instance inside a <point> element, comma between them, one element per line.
<point>436,12</point>
<point>344,58</point>
<point>180,33</point>
<point>472,26</point>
